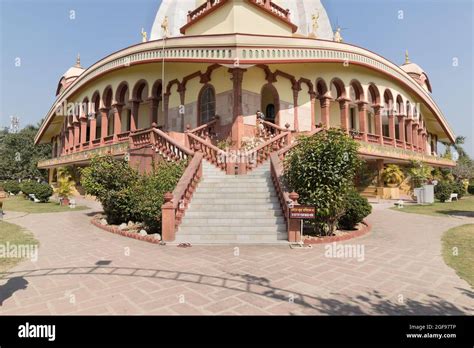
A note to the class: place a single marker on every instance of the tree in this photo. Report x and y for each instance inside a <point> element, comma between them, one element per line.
<point>19,156</point>
<point>321,169</point>
<point>464,169</point>
<point>460,140</point>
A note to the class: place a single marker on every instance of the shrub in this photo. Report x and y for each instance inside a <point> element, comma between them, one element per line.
<point>12,186</point>
<point>470,189</point>
<point>443,191</point>
<point>419,173</point>
<point>43,192</point>
<point>28,187</point>
<point>357,208</point>
<point>458,187</point>
<point>393,175</point>
<point>321,169</point>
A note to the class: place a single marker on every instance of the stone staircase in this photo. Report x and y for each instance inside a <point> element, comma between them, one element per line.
<point>369,192</point>
<point>234,209</point>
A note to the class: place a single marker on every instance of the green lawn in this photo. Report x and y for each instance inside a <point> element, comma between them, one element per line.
<point>14,235</point>
<point>21,204</point>
<point>458,251</point>
<point>463,207</point>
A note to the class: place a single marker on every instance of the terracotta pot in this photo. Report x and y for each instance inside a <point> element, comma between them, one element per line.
<point>64,201</point>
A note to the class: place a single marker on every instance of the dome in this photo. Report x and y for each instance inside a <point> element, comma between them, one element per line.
<point>70,75</point>
<point>301,15</point>
<point>412,68</point>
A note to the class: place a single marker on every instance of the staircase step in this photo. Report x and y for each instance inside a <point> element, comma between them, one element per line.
<point>203,214</point>
<point>183,230</point>
<point>234,190</point>
<point>236,195</point>
<point>231,208</point>
<point>279,238</point>
<point>231,222</point>
<point>234,200</point>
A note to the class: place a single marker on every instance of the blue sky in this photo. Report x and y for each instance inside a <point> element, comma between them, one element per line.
<point>42,35</point>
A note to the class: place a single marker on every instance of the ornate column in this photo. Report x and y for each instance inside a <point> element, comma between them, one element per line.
<point>401,129</point>
<point>238,122</point>
<point>345,107</point>
<point>117,109</point>
<point>391,128</point>
<point>421,144</point>
<point>296,90</point>
<point>77,133</point>
<point>363,119</point>
<point>83,120</point>
<point>93,127</point>
<point>166,103</point>
<point>312,96</point>
<point>415,135</point>
<point>325,110</point>
<point>378,122</point>
<point>134,116</point>
<point>71,137</point>
<point>409,136</point>
<point>155,102</point>
<point>104,127</point>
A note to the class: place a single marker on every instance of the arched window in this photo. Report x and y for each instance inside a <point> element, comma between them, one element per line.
<point>207,104</point>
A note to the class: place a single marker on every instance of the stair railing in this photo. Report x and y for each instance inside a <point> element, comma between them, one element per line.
<point>206,131</point>
<point>261,153</point>
<point>213,154</point>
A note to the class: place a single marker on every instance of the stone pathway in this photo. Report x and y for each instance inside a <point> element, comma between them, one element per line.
<point>84,270</point>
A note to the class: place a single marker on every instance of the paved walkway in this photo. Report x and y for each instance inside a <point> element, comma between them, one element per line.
<point>84,270</point>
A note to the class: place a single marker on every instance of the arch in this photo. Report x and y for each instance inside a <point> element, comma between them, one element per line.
<point>138,89</point>
<point>95,100</point>
<point>120,93</point>
<point>408,109</point>
<point>399,104</point>
<point>206,104</point>
<point>358,90</point>
<point>270,102</point>
<point>321,87</point>
<point>374,94</point>
<point>107,97</point>
<point>388,101</point>
<point>339,88</point>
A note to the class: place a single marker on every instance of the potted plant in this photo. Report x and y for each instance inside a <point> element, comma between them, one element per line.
<point>393,175</point>
<point>64,190</point>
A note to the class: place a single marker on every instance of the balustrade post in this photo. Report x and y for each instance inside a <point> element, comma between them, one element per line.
<point>294,225</point>
<point>243,162</point>
<point>168,219</point>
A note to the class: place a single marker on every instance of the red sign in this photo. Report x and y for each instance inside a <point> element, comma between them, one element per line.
<point>303,212</point>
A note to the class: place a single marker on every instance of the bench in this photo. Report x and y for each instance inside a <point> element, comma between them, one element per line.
<point>453,196</point>
<point>399,204</point>
<point>33,198</point>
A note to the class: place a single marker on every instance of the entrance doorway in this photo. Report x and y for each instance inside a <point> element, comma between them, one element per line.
<point>270,103</point>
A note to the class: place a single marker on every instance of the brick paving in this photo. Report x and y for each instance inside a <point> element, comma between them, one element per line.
<point>84,270</point>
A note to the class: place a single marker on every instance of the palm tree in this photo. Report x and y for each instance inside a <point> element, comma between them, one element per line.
<point>457,147</point>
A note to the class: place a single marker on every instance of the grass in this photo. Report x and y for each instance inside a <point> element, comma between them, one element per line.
<point>463,207</point>
<point>458,251</point>
<point>14,235</point>
<point>20,204</point>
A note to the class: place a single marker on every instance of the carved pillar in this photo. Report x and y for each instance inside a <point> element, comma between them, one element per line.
<point>296,90</point>
<point>83,120</point>
<point>238,122</point>
<point>104,114</point>
<point>409,136</point>
<point>415,135</point>
<point>117,108</point>
<point>93,127</point>
<point>166,103</point>
<point>401,129</point>
<point>391,128</point>
<point>155,102</point>
<point>312,96</point>
<point>345,107</point>
<point>294,226</point>
<point>71,137</point>
<point>325,110</point>
<point>168,221</point>
<point>378,122</point>
<point>420,140</point>
<point>380,168</point>
<point>363,120</point>
<point>77,133</point>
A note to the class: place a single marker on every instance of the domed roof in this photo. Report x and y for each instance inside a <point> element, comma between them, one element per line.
<point>412,68</point>
<point>70,75</point>
<point>301,13</point>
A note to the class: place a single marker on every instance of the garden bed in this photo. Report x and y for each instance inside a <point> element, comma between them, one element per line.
<point>130,232</point>
<point>341,235</point>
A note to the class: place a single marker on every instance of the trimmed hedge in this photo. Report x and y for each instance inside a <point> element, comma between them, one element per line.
<point>443,191</point>
<point>357,208</point>
<point>28,187</point>
<point>470,189</point>
<point>458,187</point>
<point>12,186</point>
<point>43,192</point>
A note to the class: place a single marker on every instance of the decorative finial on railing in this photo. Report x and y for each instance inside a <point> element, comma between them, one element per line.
<point>287,126</point>
<point>168,197</point>
<point>294,197</point>
<point>154,125</point>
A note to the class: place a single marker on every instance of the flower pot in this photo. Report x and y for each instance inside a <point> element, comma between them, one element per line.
<point>64,201</point>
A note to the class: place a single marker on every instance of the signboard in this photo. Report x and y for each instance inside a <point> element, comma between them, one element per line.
<point>303,212</point>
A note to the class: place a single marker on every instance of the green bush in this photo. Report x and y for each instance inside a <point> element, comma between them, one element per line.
<point>357,208</point>
<point>28,187</point>
<point>43,192</point>
<point>12,186</point>
<point>321,169</point>
<point>458,187</point>
<point>470,189</point>
<point>127,196</point>
<point>443,191</point>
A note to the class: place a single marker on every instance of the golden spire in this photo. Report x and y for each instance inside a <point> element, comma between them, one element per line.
<point>407,59</point>
<point>78,60</point>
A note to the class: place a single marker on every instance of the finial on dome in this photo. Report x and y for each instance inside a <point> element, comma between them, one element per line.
<point>78,61</point>
<point>407,59</point>
<point>144,35</point>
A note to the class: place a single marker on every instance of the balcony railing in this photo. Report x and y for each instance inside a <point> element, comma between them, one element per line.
<point>373,138</point>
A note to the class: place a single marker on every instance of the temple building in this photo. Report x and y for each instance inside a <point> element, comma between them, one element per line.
<point>241,73</point>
